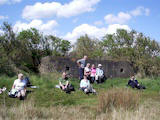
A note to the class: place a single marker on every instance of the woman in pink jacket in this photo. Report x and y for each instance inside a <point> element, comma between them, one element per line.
<point>93,73</point>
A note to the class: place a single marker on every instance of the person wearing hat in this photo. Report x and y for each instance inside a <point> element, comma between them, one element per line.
<point>99,74</point>
<point>19,87</point>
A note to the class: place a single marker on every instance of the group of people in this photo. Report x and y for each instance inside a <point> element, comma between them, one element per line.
<point>93,74</point>
<point>87,75</point>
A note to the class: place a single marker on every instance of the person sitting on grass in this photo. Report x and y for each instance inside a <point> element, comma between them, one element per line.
<point>86,87</point>
<point>100,77</point>
<point>134,83</point>
<point>19,87</point>
<point>64,83</point>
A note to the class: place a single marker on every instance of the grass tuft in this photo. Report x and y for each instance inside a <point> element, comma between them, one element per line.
<point>117,98</point>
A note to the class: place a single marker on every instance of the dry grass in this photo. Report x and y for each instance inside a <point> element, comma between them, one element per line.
<point>117,98</point>
<point>150,110</point>
<point>27,111</point>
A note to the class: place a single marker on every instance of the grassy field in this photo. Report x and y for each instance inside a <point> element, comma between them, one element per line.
<point>48,102</point>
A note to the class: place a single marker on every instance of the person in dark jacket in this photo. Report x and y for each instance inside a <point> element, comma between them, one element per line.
<point>134,83</point>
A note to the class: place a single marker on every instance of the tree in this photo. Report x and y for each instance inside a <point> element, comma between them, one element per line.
<point>87,46</point>
<point>133,47</point>
<point>59,46</point>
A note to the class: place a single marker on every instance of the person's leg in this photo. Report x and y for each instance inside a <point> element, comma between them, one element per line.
<point>67,90</point>
<point>92,80</point>
<point>100,79</point>
<point>23,93</point>
<point>86,90</point>
<point>81,73</point>
<point>18,94</point>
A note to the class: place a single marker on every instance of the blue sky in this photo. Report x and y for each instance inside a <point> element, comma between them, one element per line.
<point>70,19</point>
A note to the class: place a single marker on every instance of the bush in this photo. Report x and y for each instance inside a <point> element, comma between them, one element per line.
<point>117,98</point>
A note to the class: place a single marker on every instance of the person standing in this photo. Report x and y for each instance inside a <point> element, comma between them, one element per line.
<point>81,64</point>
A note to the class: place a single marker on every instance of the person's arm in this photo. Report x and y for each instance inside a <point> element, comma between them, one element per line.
<point>78,63</point>
<point>136,81</point>
<point>14,85</point>
<point>61,85</point>
<point>129,82</point>
<point>25,88</point>
<point>81,84</point>
<point>67,83</point>
<point>89,84</point>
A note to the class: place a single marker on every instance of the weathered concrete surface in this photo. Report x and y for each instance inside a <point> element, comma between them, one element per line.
<point>111,68</point>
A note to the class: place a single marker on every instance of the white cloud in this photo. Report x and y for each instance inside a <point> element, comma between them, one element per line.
<point>124,17</point>
<point>113,28</point>
<point>3,17</point>
<point>49,9</point>
<point>9,1</point>
<point>140,11</point>
<point>121,18</point>
<point>46,28</point>
<point>92,31</point>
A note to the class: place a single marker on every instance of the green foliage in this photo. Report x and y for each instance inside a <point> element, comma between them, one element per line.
<point>140,51</point>
<point>24,50</point>
<point>89,47</point>
<point>59,46</point>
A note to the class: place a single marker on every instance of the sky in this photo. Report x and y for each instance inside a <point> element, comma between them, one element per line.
<point>70,19</point>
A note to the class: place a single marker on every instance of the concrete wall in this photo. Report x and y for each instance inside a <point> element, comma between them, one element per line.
<point>111,68</point>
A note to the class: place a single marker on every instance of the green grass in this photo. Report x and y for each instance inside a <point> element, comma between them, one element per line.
<point>47,95</point>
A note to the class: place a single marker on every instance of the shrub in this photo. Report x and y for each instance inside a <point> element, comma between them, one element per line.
<point>117,98</point>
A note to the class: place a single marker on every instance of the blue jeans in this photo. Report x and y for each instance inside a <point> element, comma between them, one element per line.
<point>81,73</point>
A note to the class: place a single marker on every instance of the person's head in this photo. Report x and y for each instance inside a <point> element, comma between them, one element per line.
<point>93,66</point>
<point>99,65</point>
<point>20,76</point>
<point>88,65</point>
<point>85,57</point>
<point>64,75</point>
<point>132,77</point>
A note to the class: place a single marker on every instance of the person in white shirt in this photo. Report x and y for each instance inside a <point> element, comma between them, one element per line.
<point>99,74</point>
<point>19,87</point>
<point>86,86</point>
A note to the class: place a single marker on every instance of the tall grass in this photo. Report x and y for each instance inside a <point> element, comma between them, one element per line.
<point>28,111</point>
<point>117,98</point>
<point>48,102</point>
